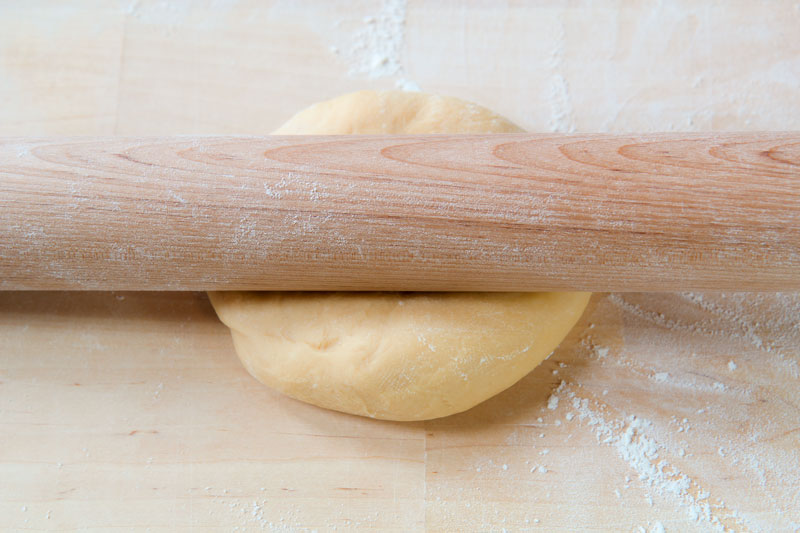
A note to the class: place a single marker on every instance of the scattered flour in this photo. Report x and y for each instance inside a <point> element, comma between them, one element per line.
<point>661,377</point>
<point>552,402</point>
<point>407,85</point>
<point>562,116</point>
<point>628,436</point>
<point>376,48</point>
<point>733,319</point>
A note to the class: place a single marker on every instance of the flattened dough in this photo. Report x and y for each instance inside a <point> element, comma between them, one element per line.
<point>395,356</point>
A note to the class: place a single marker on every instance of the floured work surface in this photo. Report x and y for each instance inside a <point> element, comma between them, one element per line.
<point>131,410</point>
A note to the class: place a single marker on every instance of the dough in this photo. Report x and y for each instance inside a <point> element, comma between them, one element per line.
<point>396,356</point>
<point>406,356</point>
<point>371,112</point>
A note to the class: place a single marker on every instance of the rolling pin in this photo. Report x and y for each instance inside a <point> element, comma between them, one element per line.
<point>501,212</point>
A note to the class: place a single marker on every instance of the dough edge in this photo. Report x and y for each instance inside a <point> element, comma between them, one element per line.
<point>396,356</point>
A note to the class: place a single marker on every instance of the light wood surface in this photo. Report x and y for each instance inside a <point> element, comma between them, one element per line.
<point>511,212</point>
<point>129,411</point>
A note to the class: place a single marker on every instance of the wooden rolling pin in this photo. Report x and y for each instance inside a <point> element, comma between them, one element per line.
<point>503,212</point>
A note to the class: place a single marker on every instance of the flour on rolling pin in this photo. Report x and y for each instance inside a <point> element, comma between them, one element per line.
<point>506,211</point>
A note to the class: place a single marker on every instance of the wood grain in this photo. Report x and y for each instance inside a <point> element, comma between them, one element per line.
<point>131,411</point>
<point>472,212</point>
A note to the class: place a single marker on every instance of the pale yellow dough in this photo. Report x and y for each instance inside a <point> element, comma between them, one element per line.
<point>396,356</point>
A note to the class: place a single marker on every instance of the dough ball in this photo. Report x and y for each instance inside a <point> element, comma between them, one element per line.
<point>395,356</point>
<point>395,112</point>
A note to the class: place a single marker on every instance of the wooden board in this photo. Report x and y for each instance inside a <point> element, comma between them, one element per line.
<point>129,411</point>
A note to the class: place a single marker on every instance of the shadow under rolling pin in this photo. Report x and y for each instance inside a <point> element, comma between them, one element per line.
<point>500,212</point>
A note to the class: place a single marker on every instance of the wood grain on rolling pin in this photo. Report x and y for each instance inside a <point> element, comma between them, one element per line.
<point>472,212</point>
